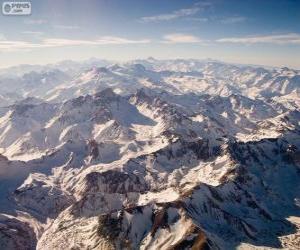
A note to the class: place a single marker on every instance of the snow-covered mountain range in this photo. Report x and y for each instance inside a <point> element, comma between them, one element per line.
<point>149,154</point>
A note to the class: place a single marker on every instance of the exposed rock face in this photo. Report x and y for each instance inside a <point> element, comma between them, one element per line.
<point>15,234</point>
<point>156,168</point>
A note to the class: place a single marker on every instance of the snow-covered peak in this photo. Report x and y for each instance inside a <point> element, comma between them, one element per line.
<point>150,154</point>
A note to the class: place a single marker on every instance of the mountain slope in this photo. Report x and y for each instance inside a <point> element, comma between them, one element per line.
<point>153,154</point>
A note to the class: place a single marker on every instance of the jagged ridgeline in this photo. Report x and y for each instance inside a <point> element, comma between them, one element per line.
<point>149,154</point>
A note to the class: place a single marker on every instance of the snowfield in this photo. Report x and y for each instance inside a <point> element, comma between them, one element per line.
<point>149,154</point>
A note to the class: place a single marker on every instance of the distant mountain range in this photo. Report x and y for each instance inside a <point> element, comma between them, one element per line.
<point>149,154</point>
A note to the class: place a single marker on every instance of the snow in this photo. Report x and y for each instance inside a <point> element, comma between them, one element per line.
<point>171,151</point>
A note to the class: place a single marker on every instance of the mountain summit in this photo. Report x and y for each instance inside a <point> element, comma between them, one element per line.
<point>152,154</point>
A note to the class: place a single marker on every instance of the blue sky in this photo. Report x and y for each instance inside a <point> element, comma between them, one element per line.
<point>265,32</point>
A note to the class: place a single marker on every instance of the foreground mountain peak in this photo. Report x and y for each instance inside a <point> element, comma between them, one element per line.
<point>151,154</point>
<point>106,93</point>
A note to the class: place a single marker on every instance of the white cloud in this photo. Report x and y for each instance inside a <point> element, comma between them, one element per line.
<point>181,13</point>
<point>197,19</point>
<point>35,21</point>
<point>120,40</point>
<point>105,40</point>
<point>16,45</point>
<point>7,45</point>
<point>171,16</point>
<point>181,38</point>
<point>235,19</point>
<point>290,38</point>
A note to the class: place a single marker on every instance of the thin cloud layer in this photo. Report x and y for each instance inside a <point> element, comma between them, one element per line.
<point>66,27</point>
<point>171,16</point>
<point>186,13</point>
<point>7,45</point>
<point>105,40</point>
<point>181,38</point>
<point>290,38</point>
<point>198,19</point>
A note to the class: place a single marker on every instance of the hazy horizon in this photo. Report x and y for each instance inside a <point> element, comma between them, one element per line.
<point>243,32</point>
<point>145,58</point>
